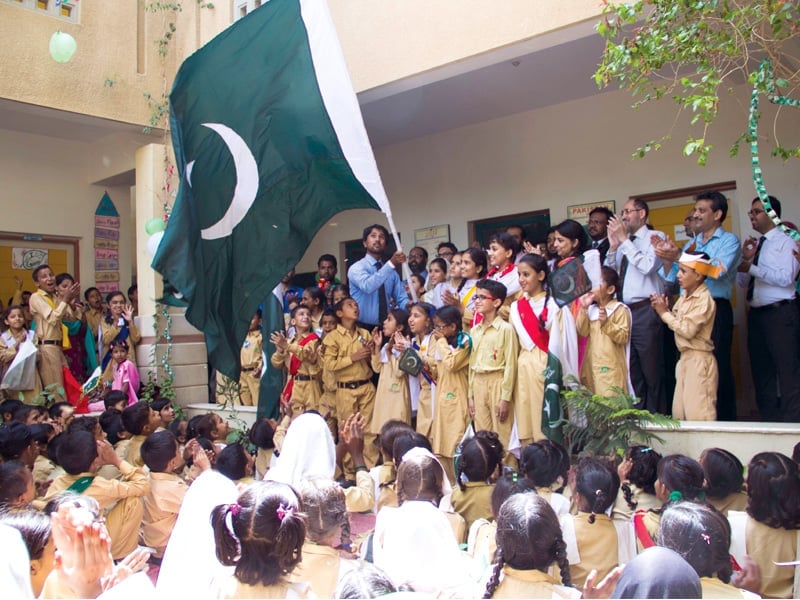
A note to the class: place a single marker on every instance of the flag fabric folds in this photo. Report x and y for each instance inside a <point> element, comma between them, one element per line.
<point>270,144</point>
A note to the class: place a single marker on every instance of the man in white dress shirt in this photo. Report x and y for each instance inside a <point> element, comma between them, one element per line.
<point>632,254</point>
<point>768,272</point>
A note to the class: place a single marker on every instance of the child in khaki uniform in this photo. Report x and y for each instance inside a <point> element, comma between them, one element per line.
<point>327,402</point>
<point>450,410</point>
<point>250,356</point>
<point>492,363</point>
<point>162,455</point>
<point>347,353</point>
<point>81,456</point>
<point>393,400</point>
<point>299,357</point>
<point>140,421</point>
<point>692,319</point>
<point>49,312</point>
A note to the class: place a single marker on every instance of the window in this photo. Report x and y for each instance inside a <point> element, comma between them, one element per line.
<point>242,8</point>
<point>66,10</point>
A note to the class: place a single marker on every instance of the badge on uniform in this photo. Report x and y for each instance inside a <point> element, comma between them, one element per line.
<point>410,362</point>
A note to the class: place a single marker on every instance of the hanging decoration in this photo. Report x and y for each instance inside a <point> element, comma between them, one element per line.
<point>62,46</point>
<point>106,246</point>
<point>765,79</point>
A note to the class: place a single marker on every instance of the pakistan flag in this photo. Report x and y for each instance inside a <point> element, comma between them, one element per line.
<point>270,144</point>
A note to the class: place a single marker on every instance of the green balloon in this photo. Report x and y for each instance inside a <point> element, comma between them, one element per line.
<point>62,46</point>
<point>154,226</point>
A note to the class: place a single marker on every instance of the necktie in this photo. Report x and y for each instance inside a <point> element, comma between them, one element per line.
<point>595,245</point>
<point>383,310</point>
<point>751,285</point>
<point>623,268</point>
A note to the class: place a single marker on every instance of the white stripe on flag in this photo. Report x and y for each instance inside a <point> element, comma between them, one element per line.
<point>340,99</point>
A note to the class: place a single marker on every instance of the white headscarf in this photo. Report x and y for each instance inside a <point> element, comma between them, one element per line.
<point>307,453</point>
<point>190,560</point>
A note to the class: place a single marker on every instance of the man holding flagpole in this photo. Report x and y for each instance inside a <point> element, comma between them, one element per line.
<point>375,284</point>
<point>270,144</point>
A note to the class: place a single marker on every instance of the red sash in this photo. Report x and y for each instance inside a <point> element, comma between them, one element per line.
<point>641,530</point>
<point>294,366</point>
<point>532,324</point>
<point>506,270</point>
<point>478,317</point>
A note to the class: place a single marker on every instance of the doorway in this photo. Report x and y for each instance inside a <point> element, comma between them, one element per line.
<point>668,209</point>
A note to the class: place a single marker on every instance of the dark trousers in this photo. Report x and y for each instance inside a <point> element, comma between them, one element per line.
<point>722,336</point>
<point>773,337</point>
<point>647,358</point>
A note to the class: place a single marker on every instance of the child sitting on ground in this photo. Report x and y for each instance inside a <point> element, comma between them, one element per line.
<point>637,472</point>
<point>593,540</point>
<point>161,454</point>
<point>477,468</point>
<point>545,465</point>
<point>81,456</point>
<point>140,421</point>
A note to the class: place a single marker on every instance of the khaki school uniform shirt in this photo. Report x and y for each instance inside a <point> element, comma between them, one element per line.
<point>494,348</point>
<point>692,319</point>
<point>134,483</point>
<point>339,345</point>
<point>161,506</point>
<point>49,320</point>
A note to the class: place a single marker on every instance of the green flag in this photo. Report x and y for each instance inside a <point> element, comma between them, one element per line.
<point>270,144</point>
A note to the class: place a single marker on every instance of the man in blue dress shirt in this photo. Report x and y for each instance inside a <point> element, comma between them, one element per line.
<point>710,210</point>
<point>371,277</point>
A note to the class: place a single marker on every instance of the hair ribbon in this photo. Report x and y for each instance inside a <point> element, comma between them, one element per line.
<point>283,511</point>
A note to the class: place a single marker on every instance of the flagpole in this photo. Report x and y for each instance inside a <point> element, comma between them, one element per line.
<point>406,269</point>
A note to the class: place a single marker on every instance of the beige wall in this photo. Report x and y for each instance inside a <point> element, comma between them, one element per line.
<point>108,44</point>
<point>387,41</point>
<point>567,154</point>
<point>44,191</point>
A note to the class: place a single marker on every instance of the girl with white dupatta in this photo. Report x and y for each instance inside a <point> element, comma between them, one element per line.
<point>18,356</point>
<point>414,543</point>
<point>546,333</point>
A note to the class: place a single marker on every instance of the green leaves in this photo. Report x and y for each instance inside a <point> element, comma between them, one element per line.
<point>688,49</point>
<point>607,425</point>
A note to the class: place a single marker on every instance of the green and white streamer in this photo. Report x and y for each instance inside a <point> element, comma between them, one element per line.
<point>765,79</point>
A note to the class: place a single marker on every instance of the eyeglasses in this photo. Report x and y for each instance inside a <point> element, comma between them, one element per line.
<point>481,297</point>
<point>754,212</point>
<point>441,327</point>
<point>627,211</point>
<point>444,254</point>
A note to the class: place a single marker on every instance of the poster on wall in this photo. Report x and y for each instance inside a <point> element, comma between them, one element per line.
<point>28,258</point>
<point>106,246</point>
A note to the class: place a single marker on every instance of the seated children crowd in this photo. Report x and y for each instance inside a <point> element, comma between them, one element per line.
<point>648,527</point>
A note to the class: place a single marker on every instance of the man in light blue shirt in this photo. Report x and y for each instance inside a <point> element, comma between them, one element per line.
<point>710,210</point>
<point>368,276</point>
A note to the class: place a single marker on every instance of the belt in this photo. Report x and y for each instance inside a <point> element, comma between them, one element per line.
<point>303,378</point>
<point>248,369</point>
<point>774,304</point>
<point>49,342</point>
<point>351,385</point>
<point>638,304</point>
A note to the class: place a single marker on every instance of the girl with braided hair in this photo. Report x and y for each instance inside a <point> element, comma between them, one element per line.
<point>327,530</point>
<point>475,474</point>
<point>262,536</point>
<point>637,472</point>
<point>529,541</point>
<point>593,540</point>
<point>545,465</point>
<point>679,478</point>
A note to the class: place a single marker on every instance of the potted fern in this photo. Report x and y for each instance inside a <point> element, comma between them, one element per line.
<point>607,425</point>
